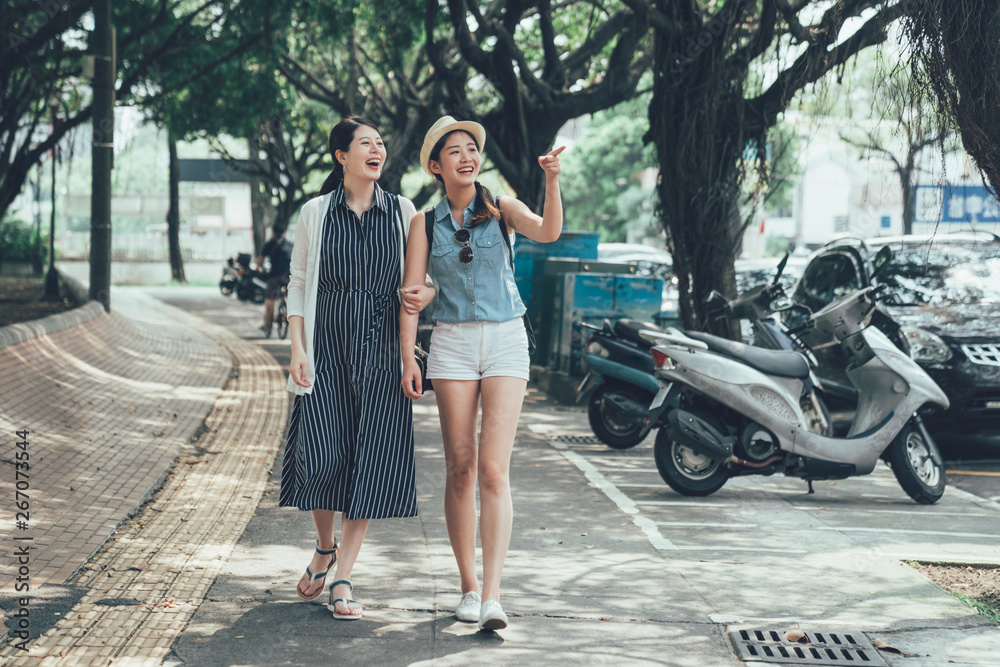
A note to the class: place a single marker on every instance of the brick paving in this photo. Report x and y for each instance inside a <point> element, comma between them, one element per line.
<point>108,405</point>
<point>148,383</point>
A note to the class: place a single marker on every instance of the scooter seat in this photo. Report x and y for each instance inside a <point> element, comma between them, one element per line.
<point>629,330</point>
<point>782,363</point>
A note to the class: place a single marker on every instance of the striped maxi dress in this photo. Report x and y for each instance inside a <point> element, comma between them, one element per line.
<point>349,446</point>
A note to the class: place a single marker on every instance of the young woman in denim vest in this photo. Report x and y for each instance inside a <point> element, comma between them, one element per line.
<point>479,349</point>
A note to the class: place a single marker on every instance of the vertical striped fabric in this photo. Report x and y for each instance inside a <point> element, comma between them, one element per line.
<point>349,446</point>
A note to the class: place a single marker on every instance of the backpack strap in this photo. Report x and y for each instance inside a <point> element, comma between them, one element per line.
<point>429,227</point>
<point>505,235</point>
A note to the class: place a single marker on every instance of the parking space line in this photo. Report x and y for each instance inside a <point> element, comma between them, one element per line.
<point>904,531</point>
<point>865,511</point>
<point>624,503</point>
<point>629,470</point>
<point>695,547</point>
<point>695,524</point>
<point>687,503</point>
<point>979,473</point>
<point>639,485</point>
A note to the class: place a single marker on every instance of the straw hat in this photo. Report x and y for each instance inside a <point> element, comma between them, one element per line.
<point>443,126</point>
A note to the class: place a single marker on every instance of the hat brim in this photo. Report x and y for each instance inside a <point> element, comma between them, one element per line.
<point>477,131</point>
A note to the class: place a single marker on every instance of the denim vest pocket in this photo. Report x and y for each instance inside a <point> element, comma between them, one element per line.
<point>442,261</point>
<point>489,250</point>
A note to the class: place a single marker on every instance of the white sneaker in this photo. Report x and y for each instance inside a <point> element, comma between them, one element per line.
<point>491,616</point>
<point>468,608</point>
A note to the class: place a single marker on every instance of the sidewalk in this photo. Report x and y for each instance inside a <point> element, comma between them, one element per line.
<point>205,573</point>
<point>111,405</point>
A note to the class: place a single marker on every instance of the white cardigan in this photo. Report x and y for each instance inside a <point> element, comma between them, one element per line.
<point>304,278</point>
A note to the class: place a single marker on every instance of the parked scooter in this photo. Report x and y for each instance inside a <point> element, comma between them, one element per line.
<point>735,410</point>
<point>619,364</point>
<point>239,278</point>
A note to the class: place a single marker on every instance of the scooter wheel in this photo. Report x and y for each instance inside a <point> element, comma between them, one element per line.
<point>617,432</point>
<point>915,462</point>
<point>686,471</point>
<point>227,288</point>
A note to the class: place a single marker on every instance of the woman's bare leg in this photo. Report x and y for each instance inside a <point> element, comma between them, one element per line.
<point>324,520</point>
<point>502,400</point>
<point>458,407</point>
<point>352,534</point>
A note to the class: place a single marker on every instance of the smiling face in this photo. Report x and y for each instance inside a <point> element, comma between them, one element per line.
<point>366,155</point>
<point>458,160</point>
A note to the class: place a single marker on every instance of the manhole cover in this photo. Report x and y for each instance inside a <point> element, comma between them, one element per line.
<point>576,439</point>
<point>819,647</point>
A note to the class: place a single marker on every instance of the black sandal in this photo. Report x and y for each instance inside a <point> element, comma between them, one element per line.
<point>347,602</point>
<point>314,577</point>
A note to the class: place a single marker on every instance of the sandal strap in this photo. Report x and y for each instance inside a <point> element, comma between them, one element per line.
<point>347,601</point>
<point>315,576</point>
<point>342,582</point>
<point>327,552</point>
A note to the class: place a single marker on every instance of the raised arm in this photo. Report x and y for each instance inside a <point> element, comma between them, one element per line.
<point>543,228</point>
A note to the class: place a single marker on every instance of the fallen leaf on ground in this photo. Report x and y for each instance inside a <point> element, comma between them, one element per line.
<point>796,636</point>
<point>882,646</point>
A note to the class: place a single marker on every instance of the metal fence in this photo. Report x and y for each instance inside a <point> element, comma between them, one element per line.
<point>154,247</point>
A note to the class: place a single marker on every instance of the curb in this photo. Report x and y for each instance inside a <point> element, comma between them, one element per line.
<point>22,331</point>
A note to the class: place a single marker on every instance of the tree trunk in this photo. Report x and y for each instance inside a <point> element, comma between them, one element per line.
<point>695,124</point>
<point>102,154</point>
<point>259,203</point>
<point>174,214</point>
<point>909,205</point>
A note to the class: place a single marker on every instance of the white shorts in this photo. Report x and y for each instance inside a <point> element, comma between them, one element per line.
<point>476,350</point>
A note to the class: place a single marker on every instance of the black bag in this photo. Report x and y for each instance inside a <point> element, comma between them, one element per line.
<point>429,228</point>
<point>527,321</point>
<point>421,357</point>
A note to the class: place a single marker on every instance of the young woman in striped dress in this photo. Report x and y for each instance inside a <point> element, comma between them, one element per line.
<point>349,446</point>
<point>479,349</point>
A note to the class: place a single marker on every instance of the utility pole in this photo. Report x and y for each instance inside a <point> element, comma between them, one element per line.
<point>52,277</point>
<point>102,152</point>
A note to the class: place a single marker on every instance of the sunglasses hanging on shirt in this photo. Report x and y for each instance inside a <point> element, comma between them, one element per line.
<point>465,255</point>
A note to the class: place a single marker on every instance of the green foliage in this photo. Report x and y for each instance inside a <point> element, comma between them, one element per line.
<point>17,240</point>
<point>599,179</point>
<point>984,610</point>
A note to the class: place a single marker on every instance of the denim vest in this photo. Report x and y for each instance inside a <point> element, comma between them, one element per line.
<point>481,291</point>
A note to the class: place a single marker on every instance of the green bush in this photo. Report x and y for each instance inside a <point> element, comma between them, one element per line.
<point>17,240</point>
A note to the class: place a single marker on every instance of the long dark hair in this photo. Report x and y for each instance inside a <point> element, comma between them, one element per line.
<point>484,209</point>
<point>341,137</point>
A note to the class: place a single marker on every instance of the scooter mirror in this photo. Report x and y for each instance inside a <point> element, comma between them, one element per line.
<point>781,268</point>
<point>881,260</point>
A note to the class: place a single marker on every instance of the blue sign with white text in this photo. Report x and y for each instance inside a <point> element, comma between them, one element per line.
<point>955,203</point>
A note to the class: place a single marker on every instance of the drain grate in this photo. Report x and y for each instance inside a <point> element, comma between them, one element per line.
<point>820,647</point>
<point>576,439</point>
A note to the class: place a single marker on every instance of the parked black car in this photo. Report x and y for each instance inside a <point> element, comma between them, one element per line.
<point>942,305</point>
